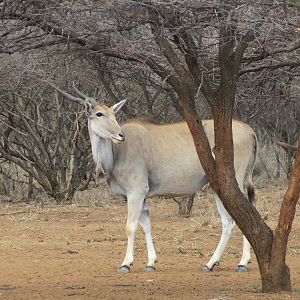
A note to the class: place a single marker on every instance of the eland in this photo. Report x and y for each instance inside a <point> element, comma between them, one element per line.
<point>142,159</point>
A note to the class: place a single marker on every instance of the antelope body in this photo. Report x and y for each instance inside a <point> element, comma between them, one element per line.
<point>142,159</point>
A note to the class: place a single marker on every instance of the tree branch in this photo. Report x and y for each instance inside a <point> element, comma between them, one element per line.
<point>193,65</point>
<point>292,64</point>
<point>38,176</point>
<point>168,50</point>
<point>290,48</point>
<point>244,43</point>
<point>288,209</point>
<point>287,147</point>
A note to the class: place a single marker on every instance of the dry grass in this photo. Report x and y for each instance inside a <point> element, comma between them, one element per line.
<point>204,212</point>
<point>50,248</point>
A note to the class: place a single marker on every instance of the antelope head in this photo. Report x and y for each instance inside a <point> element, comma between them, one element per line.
<point>102,121</point>
<point>101,118</point>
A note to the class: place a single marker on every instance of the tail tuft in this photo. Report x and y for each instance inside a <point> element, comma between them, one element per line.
<point>251,193</point>
<point>250,187</point>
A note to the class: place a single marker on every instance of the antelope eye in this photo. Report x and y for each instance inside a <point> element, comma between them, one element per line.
<point>99,114</point>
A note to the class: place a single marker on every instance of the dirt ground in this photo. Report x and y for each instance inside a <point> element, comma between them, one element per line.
<point>74,251</point>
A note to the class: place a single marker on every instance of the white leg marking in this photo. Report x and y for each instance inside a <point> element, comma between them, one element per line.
<point>246,253</point>
<point>146,226</point>
<point>135,203</point>
<point>246,245</point>
<point>227,225</point>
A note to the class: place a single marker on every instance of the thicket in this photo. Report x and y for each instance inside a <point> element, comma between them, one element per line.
<point>97,47</point>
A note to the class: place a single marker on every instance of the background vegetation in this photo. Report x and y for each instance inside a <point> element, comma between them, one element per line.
<point>99,45</point>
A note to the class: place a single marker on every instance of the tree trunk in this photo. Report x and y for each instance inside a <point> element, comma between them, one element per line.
<point>269,249</point>
<point>275,274</point>
<point>185,205</point>
<point>190,79</point>
<point>3,189</point>
<point>277,277</point>
<point>30,187</point>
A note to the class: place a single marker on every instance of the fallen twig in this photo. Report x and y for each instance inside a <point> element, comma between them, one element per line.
<point>15,213</point>
<point>71,251</point>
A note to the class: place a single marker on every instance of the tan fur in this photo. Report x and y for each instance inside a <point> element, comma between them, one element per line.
<point>156,159</point>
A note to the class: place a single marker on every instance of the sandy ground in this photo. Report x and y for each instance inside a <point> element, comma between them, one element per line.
<point>74,251</point>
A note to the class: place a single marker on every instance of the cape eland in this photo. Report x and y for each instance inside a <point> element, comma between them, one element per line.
<point>142,159</point>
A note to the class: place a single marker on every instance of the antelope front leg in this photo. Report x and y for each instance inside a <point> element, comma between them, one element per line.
<point>146,226</point>
<point>134,203</point>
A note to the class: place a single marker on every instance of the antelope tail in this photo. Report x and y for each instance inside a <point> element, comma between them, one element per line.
<point>250,186</point>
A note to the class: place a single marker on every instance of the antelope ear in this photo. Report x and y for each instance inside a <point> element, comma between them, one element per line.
<point>115,108</point>
<point>88,106</point>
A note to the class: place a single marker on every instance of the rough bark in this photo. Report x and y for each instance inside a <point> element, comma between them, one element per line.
<point>220,171</point>
<point>277,274</point>
<point>269,249</point>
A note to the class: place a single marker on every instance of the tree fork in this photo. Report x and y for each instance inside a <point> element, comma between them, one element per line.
<point>275,275</point>
<point>220,171</point>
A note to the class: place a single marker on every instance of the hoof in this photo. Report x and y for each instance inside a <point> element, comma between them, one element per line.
<point>241,269</point>
<point>124,269</point>
<point>149,269</point>
<point>206,269</point>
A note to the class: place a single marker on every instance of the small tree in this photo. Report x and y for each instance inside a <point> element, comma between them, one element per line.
<point>43,135</point>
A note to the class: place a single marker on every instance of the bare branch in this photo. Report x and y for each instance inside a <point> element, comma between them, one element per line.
<point>286,146</point>
<point>266,53</point>
<point>291,64</point>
